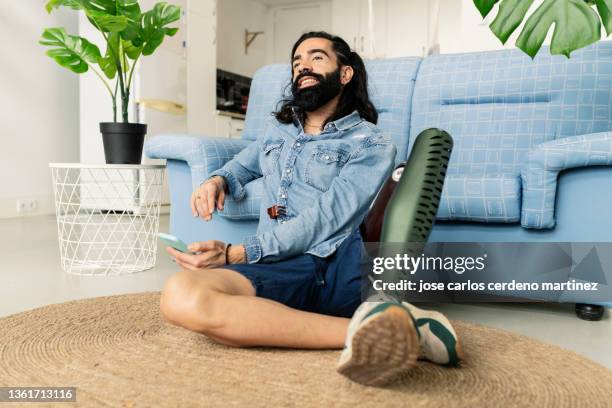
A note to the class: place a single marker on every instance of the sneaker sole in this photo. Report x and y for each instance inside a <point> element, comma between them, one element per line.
<point>384,347</point>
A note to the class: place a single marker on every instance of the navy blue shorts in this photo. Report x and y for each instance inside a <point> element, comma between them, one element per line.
<point>329,285</point>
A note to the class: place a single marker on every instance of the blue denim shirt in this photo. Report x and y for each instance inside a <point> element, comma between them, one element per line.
<point>326,182</point>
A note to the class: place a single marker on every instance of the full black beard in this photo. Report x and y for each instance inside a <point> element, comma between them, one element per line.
<point>313,97</point>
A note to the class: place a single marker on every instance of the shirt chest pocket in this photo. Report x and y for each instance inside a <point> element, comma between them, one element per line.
<point>268,158</point>
<point>324,166</point>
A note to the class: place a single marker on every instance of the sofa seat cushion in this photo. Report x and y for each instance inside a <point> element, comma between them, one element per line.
<point>482,198</point>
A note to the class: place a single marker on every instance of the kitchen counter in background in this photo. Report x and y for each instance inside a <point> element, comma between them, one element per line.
<point>229,124</point>
<point>232,100</point>
<point>234,115</point>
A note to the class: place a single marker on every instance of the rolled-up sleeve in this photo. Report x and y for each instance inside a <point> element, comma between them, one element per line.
<point>243,168</point>
<point>341,207</point>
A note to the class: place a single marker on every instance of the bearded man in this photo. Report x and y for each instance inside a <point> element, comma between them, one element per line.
<point>297,281</point>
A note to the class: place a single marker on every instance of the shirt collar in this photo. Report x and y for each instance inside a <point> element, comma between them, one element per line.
<point>346,122</point>
<point>343,123</point>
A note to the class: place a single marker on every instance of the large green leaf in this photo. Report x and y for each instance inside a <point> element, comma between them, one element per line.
<point>73,4</point>
<point>576,23</point>
<point>485,6</point>
<point>113,15</point>
<point>154,28</point>
<point>107,15</point>
<point>131,9</point>
<point>576,26</point>
<point>106,22</point>
<point>108,62</point>
<point>128,8</point>
<point>510,15</point>
<point>70,51</point>
<point>605,11</point>
<point>108,66</point>
<point>130,50</point>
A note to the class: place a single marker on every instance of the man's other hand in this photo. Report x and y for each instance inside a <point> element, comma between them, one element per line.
<point>211,254</point>
<point>208,197</point>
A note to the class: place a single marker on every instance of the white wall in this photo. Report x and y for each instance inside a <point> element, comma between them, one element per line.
<point>163,75</point>
<point>407,27</point>
<point>233,17</point>
<point>462,28</point>
<point>201,66</point>
<point>38,107</point>
<point>95,102</point>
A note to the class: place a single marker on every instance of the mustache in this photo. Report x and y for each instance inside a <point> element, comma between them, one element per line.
<point>314,75</point>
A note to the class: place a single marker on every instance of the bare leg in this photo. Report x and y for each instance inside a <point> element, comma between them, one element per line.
<point>221,304</point>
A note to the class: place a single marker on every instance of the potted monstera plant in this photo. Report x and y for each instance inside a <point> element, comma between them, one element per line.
<point>128,34</point>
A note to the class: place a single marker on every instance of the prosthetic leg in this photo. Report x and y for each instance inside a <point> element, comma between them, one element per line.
<point>412,208</point>
<point>410,211</point>
<point>386,336</point>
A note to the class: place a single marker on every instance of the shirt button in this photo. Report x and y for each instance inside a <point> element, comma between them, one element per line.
<point>283,196</point>
<point>288,171</point>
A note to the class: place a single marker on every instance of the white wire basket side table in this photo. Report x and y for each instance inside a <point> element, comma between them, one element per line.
<point>107,216</point>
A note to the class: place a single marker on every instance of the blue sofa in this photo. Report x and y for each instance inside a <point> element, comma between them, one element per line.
<point>532,160</point>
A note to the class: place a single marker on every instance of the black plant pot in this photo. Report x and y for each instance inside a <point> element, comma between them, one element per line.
<point>123,142</point>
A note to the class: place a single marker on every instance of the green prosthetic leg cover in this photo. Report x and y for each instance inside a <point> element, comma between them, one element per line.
<point>411,211</point>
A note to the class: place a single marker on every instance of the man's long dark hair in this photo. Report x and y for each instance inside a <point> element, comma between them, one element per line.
<point>354,94</point>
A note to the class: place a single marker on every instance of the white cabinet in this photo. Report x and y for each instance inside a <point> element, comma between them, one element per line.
<point>397,28</point>
<point>201,71</point>
<point>229,125</point>
<point>407,25</point>
<point>345,21</point>
<point>363,27</point>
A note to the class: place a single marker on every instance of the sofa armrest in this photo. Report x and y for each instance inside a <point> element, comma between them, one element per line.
<point>541,169</point>
<point>203,154</point>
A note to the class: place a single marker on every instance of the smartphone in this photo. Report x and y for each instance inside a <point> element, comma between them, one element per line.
<point>174,242</point>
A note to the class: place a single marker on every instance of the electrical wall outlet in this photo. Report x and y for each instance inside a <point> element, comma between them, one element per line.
<point>26,206</point>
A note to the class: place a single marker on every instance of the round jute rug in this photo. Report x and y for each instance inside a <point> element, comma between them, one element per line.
<point>117,351</point>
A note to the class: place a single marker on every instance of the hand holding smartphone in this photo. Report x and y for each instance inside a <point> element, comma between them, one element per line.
<point>174,242</point>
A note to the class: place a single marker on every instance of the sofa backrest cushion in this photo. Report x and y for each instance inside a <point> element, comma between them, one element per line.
<point>269,84</point>
<point>498,105</point>
<point>390,85</point>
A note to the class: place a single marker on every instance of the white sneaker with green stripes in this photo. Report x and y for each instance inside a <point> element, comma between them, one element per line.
<point>382,341</point>
<point>439,342</point>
